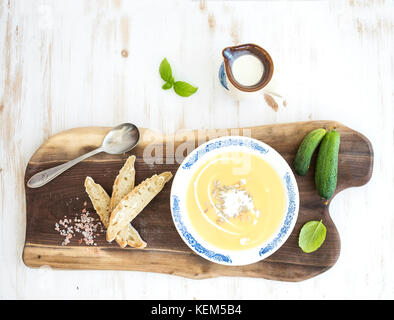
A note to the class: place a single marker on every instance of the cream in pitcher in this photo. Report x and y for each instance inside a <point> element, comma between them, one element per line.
<point>245,68</point>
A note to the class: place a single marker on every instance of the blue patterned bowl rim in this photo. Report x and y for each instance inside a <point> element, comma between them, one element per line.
<point>180,216</point>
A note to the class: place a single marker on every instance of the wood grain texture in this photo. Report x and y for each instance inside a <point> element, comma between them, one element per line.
<point>166,252</point>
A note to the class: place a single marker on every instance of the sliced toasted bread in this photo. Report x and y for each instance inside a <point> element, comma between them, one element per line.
<point>123,185</point>
<point>100,200</point>
<point>133,203</point>
<point>101,203</point>
<point>124,182</point>
<point>130,236</point>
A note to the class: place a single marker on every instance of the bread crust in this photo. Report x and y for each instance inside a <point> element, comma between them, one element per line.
<point>123,185</point>
<point>124,182</point>
<point>134,202</point>
<point>100,199</point>
<point>101,203</point>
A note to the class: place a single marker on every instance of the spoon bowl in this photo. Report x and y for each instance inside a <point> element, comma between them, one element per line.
<point>120,139</point>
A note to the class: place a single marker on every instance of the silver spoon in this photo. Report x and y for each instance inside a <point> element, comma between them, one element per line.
<point>119,140</point>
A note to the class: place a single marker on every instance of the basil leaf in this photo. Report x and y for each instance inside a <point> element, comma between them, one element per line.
<point>165,71</point>
<point>180,87</point>
<point>184,89</point>
<point>167,85</point>
<point>312,236</point>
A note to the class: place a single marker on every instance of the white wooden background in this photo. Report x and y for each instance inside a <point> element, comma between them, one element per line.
<point>61,67</point>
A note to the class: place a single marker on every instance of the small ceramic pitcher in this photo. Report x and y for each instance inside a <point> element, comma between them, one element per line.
<point>230,54</point>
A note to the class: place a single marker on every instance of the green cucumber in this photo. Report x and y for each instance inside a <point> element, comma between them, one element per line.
<point>306,149</point>
<point>327,164</point>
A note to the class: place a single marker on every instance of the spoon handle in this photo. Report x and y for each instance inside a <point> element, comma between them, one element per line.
<point>43,177</point>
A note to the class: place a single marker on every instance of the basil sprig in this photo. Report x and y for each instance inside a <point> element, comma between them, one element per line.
<point>182,88</point>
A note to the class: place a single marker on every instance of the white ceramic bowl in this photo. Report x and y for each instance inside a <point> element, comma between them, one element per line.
<point>178,195</point>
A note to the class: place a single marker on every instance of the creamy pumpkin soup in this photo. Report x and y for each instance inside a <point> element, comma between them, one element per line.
<point>235,200</point>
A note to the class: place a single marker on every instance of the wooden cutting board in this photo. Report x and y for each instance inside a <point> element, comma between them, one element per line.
<point>166,252</point>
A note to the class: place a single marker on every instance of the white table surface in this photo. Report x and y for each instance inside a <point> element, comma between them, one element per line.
<point>61,67</point>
